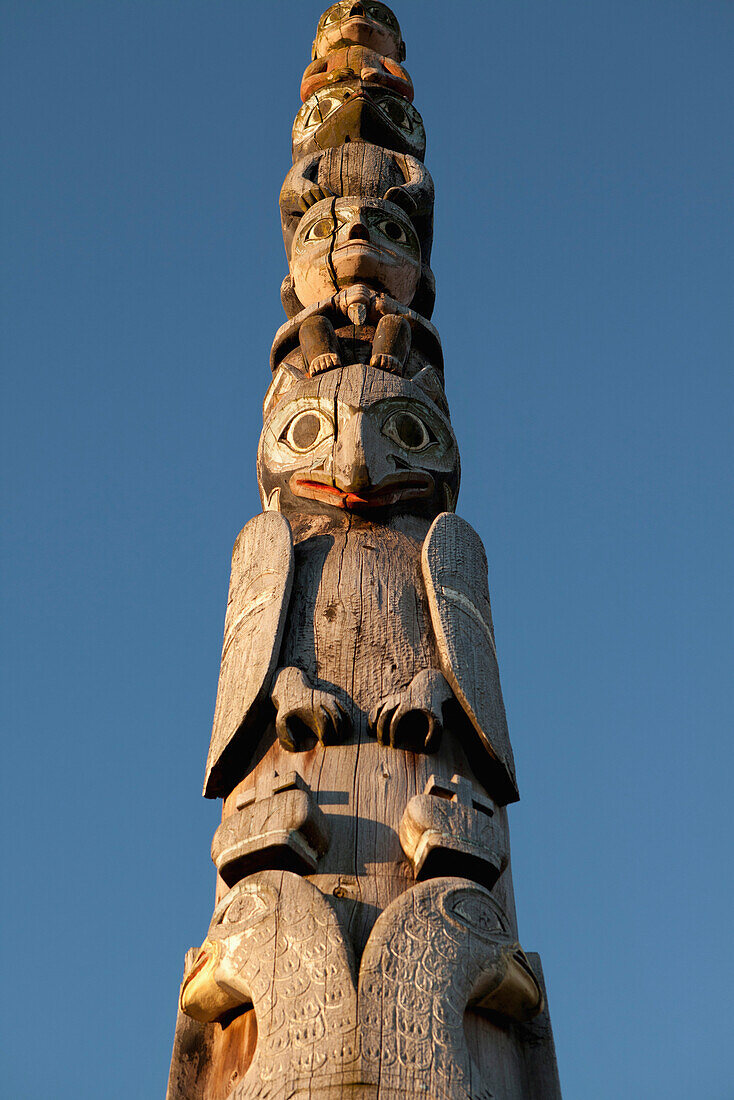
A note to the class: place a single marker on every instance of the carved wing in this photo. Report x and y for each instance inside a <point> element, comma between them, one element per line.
<point>455,575</point>
<point>259,592</point>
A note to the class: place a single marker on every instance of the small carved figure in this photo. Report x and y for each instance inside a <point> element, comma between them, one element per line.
<point>353,111</point>
<point>368,171</point>
<point>452,829</point>
<point>361,462</point>
<point>276,824</point>
<point>321,348</point>
<point>352,327</point>
<point>365,24</point>
<point>356,63</point>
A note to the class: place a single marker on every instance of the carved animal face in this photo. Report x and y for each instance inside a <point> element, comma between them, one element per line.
<point>365,24</point>
<point>214,984</point>
<point>361,440</point>
<point>340,242</point>
<point>355,111</point>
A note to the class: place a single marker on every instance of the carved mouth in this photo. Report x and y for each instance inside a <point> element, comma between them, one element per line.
<point>359,21</point>
<point>390,491</point>
<point>357,246</point>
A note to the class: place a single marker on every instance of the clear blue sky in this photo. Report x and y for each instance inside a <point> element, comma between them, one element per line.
<point>584,256</point>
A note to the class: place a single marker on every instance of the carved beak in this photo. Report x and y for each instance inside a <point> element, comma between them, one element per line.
<point>363,474</point>
<point>391,490</point>
<point>202,997</point>
<point>517,995</point>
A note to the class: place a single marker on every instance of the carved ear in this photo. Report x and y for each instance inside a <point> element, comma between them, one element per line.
<point>424,298</point>
<point>284,379</point>
<point>431,383</point>
<point>401,52</point>
<point>291,302</point>
<point>313,50</point>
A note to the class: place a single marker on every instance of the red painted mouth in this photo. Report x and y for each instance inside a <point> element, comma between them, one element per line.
<point>390,491</point>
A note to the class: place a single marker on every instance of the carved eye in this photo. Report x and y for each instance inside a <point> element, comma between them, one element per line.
<point>408,431</point>
<point>332,15</point>
<point>395,112</point>
<point>392,230</point>
<point>381,14</point>
<point>306,430</point>
<point>320,230</point>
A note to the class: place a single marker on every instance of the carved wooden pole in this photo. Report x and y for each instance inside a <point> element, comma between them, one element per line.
<point>364,939</point>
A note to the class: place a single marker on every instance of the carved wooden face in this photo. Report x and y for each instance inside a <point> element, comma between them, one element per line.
<point>361,440</point>
<point>345,241</point>
<point>365,24</point>
<point>354,111</point>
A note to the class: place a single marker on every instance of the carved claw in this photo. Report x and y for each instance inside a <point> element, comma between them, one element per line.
<point>313,195</point>
<point>413,718</point>
<point>302,707</point>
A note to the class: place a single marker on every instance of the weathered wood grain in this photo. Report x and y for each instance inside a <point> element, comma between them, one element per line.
<point>359,168</point>
<point>364,943</point>
<point>277,825</point>
<point>262,573</point>
<point>455,573</point>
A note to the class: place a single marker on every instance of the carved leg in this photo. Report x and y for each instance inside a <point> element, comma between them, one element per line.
<point>391,345</point>
<point>413,719</point>
<point>319,344</point>
<point>303,709</point>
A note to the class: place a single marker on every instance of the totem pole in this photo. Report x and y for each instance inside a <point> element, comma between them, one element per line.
<point>364,940</point>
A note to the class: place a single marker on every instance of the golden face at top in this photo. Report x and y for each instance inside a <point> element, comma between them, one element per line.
<point>364,24</point>
<point>341,242</point>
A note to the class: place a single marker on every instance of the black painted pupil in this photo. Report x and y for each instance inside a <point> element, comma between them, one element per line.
<point>410,430</point>
<point>305,430</point>
<point>393,230</point>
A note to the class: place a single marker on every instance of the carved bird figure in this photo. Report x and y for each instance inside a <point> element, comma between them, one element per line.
<point>359,603</point>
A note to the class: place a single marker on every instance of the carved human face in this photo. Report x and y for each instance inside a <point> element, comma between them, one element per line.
<point>363,24</point>
<point>340,242</point>
<point>353,111</point>
<point>358,440</point>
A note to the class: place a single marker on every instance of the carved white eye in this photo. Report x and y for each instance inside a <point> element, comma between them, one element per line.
<point>332,15</point>
<point>408,431</point>
<point>311,115</point>
<point>306,430</point>
<point>320,230</point>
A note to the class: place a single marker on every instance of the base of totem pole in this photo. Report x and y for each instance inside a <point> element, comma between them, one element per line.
<point>210,1060</point>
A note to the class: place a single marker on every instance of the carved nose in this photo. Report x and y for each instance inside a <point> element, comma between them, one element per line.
<point>351,469</point>
<point>358,232</point>
<point>356,9</point>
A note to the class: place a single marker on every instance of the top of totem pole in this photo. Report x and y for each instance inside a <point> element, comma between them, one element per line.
<point>369,23</point>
